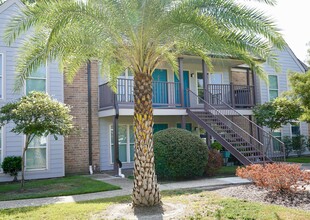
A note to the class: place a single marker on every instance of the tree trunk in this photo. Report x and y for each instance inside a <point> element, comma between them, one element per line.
<point>23,162</point>
<point>145,189</point>
<point>23,167</point>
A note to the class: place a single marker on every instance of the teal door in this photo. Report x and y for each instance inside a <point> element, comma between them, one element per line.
<point>186,87</point>
<point>160,88</point>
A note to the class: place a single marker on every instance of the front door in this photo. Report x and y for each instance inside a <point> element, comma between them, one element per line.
<point>186,87</point>
<point>160,89</point>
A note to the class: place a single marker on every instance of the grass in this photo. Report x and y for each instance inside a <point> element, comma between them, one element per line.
<point>222,172</point>
<point>72,185</point>
<point>200,205</point>
<point>226,171</point>
<point>303,159</point>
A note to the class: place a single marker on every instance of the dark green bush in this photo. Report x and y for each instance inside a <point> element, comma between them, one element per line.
<point>179,154</point>
<point>12,165</point>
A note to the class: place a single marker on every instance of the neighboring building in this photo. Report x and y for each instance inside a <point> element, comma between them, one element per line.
<point>218,104</point>
<point>45,156</point>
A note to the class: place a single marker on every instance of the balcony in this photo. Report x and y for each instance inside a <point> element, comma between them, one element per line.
<point>168,95</point>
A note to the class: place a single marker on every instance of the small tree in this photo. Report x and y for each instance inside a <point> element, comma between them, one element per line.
<point>12,165</point>
<point>278,112</point>
<point>36,114</point>
<point>300,84</point>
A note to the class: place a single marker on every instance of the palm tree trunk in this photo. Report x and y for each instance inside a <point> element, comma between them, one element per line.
<point>145,189</point>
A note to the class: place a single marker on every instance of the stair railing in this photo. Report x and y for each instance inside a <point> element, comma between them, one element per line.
<point>273,147</point>
<point>221,116</point>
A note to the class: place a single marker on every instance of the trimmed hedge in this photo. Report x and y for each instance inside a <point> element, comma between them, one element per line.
<point>179,154</point>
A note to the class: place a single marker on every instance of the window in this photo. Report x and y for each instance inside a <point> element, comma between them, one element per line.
<point>276,144</point>
<point>125,87</point>
<point>295,128</point>
<point>215,78</point>
<point>273,87</point>
<point>1,75</point>
<point>125,141</point>
<point>159,127</point>
<point>37,81</point>
<point>200,91</point>
<point>36,154</point>
<point>188,126</point>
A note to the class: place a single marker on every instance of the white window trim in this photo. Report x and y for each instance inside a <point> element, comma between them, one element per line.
<point>127,144</point>
<point>273,89</point>
<point>209,78</point>
<point>47,155</point>
<point>46,83</point>
<point>2,75</point>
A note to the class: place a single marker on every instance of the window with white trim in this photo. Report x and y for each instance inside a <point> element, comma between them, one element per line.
<point>1,74</point>
<point>37,81</point>
<point>125,142</point>
<point>273,87</point>
<point>125,87</point>
<point>200,88</point>
<point>295,129</point>
<point>36,154</point>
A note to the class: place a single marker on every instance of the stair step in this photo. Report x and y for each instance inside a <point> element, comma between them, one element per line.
<point>250,152</point>
<point>243,147</point>
<point>254,157</point>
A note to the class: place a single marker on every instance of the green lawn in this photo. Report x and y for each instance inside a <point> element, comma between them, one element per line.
<point>200,205</point>
<point>303,159</point>
<point>72,185</point>
<point>226,171</point>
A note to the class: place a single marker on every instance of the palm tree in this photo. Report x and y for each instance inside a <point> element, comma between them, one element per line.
<point>139,35</point>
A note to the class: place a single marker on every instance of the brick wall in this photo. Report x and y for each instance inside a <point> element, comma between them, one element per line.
<point>76,145</point>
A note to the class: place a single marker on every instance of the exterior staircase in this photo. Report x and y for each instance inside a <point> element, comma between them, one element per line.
<point>259,147</point>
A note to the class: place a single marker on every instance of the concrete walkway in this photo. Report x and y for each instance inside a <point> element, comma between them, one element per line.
<point>126,186</point>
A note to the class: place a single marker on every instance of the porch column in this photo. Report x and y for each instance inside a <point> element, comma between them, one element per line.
<point>205,81</point>
<point>181,80</point>
<point>254,87</point>
<point>116,147</point>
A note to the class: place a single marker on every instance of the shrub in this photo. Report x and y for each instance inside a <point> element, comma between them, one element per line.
<point>299,144</point>
<point>276,177</point>
<point>179,154</point>
<point>215,162</point>
<point>12,165</point>
<point>216,145</point>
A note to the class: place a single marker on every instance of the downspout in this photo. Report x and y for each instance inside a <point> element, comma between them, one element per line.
<point>90,141</point>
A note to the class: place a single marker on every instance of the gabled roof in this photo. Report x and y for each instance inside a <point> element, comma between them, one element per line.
<point>303,67</point>
<point>306,68</point>
<point>9,3</point>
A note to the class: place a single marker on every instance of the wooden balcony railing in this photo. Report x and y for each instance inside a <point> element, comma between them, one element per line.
<point>237,96</point>
<point>167,95</point>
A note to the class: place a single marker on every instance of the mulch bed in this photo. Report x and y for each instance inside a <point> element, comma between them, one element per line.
<point>300,200</point>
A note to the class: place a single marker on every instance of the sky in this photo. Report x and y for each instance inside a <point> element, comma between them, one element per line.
<point>293,19</point>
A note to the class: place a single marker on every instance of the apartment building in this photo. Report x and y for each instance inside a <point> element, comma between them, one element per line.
<point>214,104</point>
